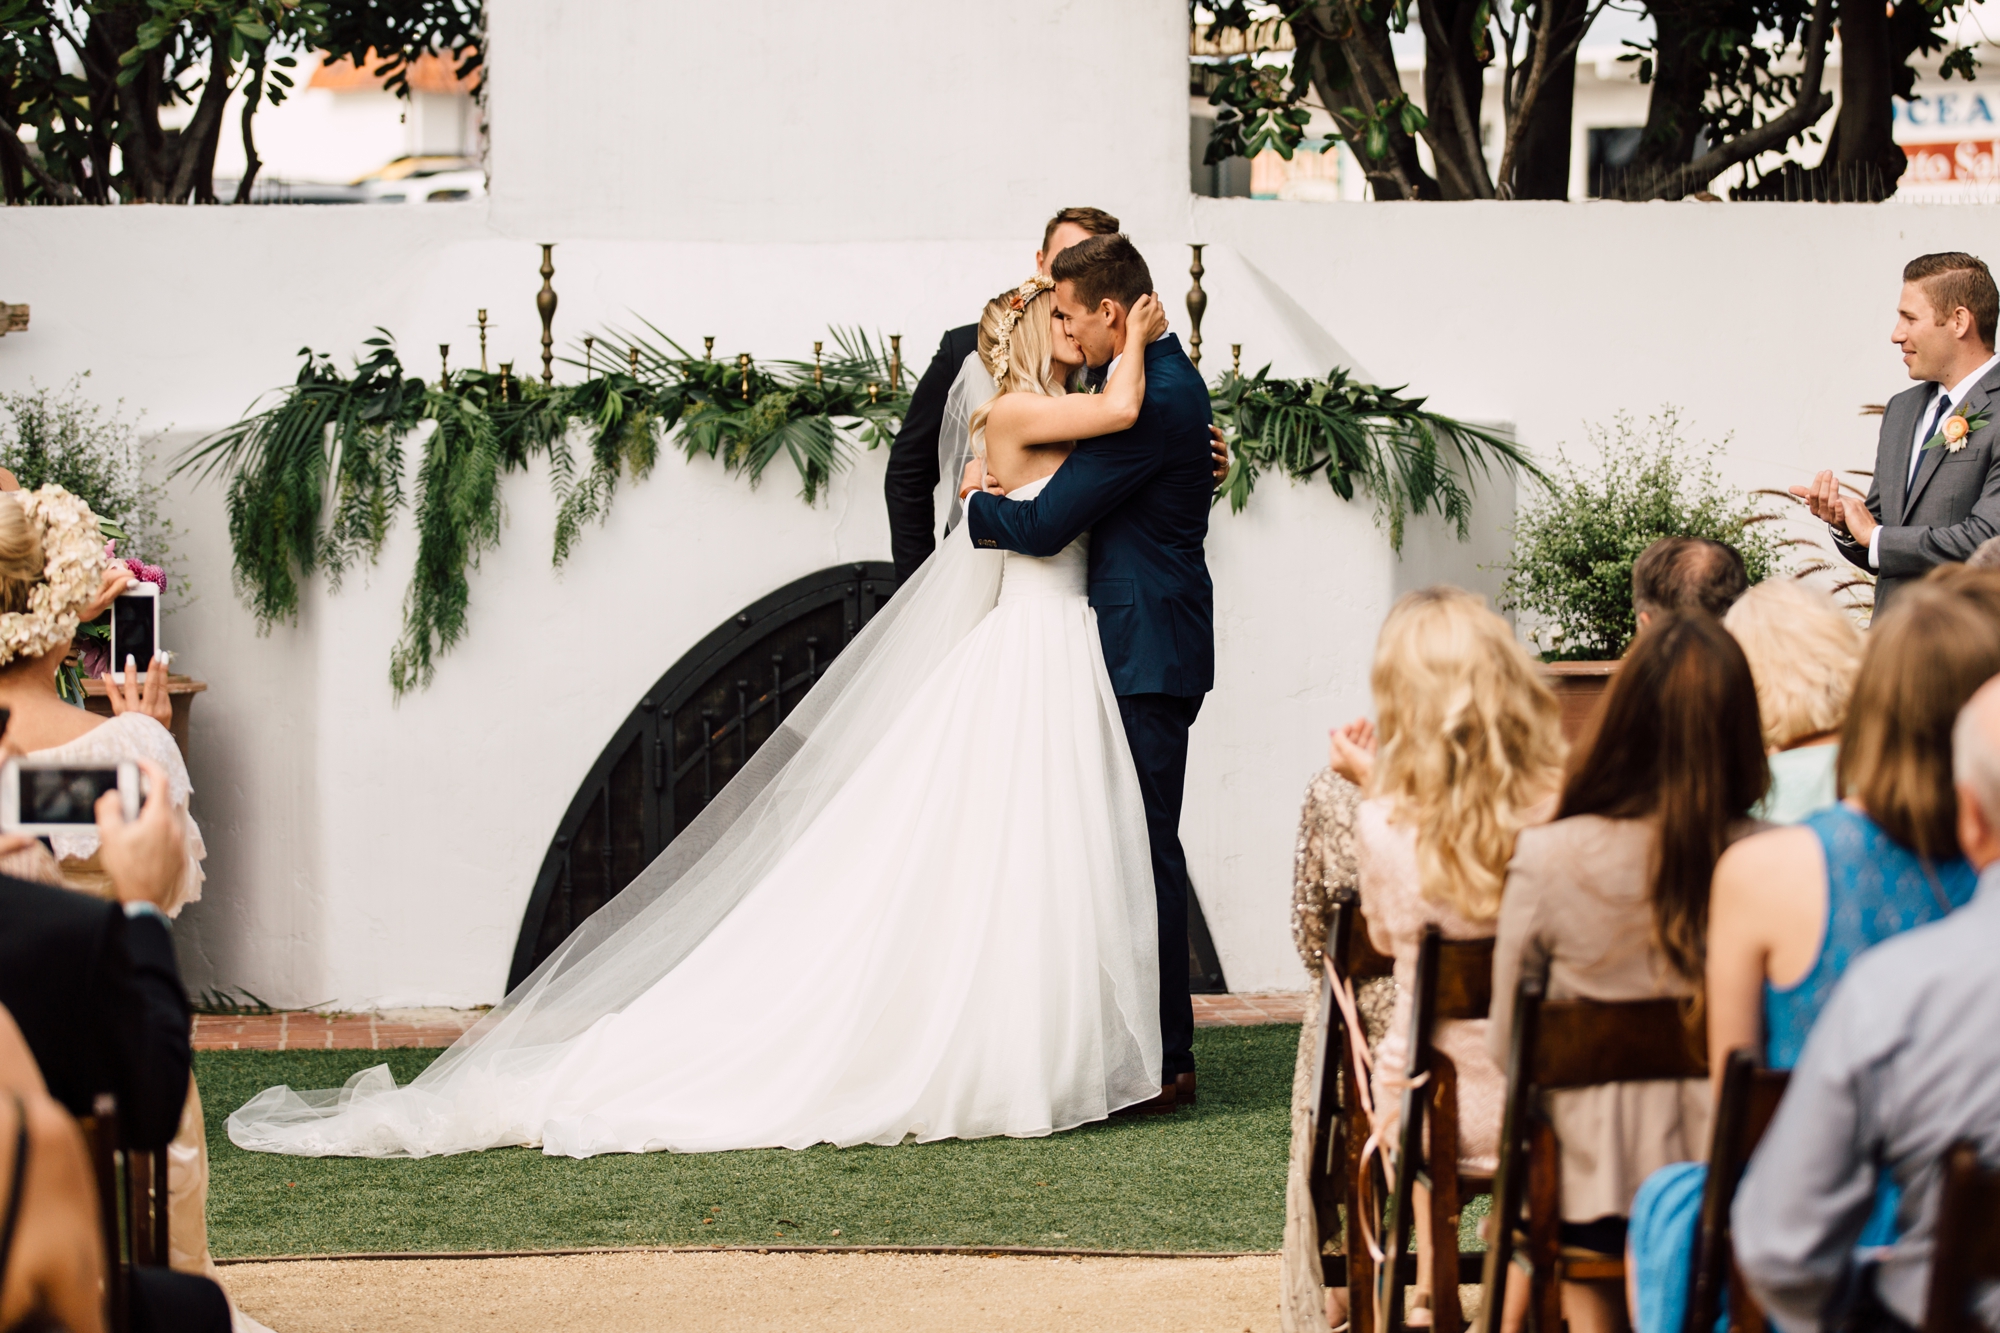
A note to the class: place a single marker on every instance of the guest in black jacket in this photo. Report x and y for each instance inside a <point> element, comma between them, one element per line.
<point>911,484</point>
<point>94,985</point>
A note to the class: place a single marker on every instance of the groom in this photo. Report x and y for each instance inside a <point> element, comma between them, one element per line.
<point>1143,495</point>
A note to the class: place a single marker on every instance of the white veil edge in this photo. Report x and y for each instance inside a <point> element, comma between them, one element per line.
<point>956,446</point>
<point>634,940</point>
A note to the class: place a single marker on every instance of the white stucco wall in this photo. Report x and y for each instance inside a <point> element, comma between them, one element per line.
<point>838,169</point>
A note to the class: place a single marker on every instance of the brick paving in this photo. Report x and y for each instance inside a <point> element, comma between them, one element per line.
<point>301,1031</point>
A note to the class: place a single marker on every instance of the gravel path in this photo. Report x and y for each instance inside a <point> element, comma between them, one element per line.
<point>740,1292</point>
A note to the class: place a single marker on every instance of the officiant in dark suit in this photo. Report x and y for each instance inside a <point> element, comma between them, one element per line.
<point>912,481</point>
<point>1936,491</point>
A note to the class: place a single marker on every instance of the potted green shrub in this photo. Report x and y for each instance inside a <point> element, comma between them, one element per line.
<point>1569,576</point>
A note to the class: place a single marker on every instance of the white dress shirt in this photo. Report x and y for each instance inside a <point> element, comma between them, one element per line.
<point>1957,393</point>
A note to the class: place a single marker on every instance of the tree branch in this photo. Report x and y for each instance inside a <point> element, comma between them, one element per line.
<point>1804,113</point>
<point>251,162</point>
<point>197,140</point>
<point>1474,166</point>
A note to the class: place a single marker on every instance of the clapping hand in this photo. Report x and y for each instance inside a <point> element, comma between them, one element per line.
<point>1823,497</point>
<point>1352,751</point>
<point>154,701</point>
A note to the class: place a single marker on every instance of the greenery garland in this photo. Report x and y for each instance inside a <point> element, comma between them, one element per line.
<point>316,479</point>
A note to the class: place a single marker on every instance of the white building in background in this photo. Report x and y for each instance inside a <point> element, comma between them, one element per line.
<point>340,126</point>
<point>1949,131</point>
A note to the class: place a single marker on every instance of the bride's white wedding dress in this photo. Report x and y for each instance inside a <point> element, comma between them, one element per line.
<point>932,918</point>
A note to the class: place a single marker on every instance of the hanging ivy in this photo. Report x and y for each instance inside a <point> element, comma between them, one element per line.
<point>316,479</point>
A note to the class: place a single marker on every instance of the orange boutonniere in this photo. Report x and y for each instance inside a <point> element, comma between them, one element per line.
<point>1951,435</point>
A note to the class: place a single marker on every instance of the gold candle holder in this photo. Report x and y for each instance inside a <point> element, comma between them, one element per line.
<point>632,354</point>
<point>819,376</point>
<point>874,391</point>
<point>589,344</point>
<point>545,304</point>
<point>895,363</point>
<point>506,385</point>
<point>482,342</point>
<point>708,349</point>
<point>743,368</point>
<point>1236,360</point>
<point>444,365</point>
<point>1197,303</point>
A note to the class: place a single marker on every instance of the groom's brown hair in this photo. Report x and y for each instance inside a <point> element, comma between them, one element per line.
<point>1101,267</point>
<point>1093,220</point>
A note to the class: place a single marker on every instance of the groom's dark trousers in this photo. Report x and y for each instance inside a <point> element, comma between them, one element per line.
<point>1143,495</point>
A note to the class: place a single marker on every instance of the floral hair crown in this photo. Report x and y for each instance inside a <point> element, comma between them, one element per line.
<point>1003,342</point>
<point>72,569</point>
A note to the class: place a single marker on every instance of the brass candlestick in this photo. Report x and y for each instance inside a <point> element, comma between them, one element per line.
<point>589,342</point>
<point>444,365</point>
<point>874,389</point>
<point>633,356</point>
<point>1197,302</point>
<point>545,303</point>
<point>895,363</point>
<point>708,349</point>
<point>1236,360</point>
<point>819,376</point>
<point>482,342</point>
<point>506,385</point>
<point>743,368</point>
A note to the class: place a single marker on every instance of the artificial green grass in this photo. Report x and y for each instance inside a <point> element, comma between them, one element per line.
<point>1208,1179</point>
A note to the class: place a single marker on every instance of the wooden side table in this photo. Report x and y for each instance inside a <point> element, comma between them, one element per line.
<point>180,689</point>
<point>1579,687</point>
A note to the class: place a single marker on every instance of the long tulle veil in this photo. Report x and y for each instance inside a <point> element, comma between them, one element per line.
<point>657,920</point>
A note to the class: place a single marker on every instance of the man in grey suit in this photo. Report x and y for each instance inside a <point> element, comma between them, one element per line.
<point>1936,492</point>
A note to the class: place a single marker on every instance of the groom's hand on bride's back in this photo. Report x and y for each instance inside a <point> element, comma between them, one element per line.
<point>1219,450</point>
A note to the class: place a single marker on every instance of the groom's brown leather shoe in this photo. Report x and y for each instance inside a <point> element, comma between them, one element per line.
<point>1184,1088</point>
<point>1163,1104</point>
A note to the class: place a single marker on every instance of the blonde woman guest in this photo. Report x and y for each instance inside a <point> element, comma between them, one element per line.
<point>1467,751</point>
<point>1804,652</point>
<point>53,576</point>
<point>1791,908</point>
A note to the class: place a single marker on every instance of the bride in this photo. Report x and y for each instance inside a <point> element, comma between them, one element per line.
<point>924,910</point>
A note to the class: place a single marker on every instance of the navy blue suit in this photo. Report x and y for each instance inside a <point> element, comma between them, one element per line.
<point>1143,495</point>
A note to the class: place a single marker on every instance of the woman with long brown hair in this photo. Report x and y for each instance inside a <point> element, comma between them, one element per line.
<point>1611,900</point>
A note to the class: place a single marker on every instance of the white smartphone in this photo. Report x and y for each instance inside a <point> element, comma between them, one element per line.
<point>40,796</point>
<point>135,628</point>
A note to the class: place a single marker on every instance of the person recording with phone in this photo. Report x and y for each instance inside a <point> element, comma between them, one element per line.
<point>96,992</point>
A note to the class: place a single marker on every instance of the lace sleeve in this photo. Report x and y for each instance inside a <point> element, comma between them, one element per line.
<point>135,736</point>
<point>1322,861</point>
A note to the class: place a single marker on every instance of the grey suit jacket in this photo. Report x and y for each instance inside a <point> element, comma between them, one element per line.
<point>1952,506</point>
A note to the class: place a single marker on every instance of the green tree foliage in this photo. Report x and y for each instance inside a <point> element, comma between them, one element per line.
<point>92,79</point>
<point>1574,545</point>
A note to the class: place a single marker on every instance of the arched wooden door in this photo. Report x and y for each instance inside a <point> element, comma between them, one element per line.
<point>690,734</point>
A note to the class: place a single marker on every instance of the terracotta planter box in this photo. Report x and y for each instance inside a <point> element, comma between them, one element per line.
<point>1579,688</point>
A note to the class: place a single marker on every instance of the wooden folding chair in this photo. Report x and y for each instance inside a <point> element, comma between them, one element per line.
<point>131,1208</point>
<point>1560,1044</point>
<point>1743,1109</point>
<point>1339,1126</point>
<point>1454,980</point>
<point>1965,1244</point>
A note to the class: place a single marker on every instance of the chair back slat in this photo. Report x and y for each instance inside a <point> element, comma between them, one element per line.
<point>1581,1043</point>
<point>100,1133</point>
<point>1744,1106</point>
<point>1347,960</point>
<point>1966,1240</point>
<point>1464,979</point>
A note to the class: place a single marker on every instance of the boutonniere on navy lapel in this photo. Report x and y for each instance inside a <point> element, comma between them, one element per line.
<point>1951,435</point>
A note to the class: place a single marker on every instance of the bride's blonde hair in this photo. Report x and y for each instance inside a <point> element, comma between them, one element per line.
<point>1017,348</point>
<point>1469,740</point>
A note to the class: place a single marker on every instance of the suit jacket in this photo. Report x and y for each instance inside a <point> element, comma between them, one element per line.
<point>910,485</point>
<point>99,1000</point>
<point>1143,494</point>
<point>1952,506</point>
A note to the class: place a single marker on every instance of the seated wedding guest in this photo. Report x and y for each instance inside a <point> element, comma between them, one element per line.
<point>1322,864</point>
<point>1901,1064</point>
<point>1803,652</point>
<point>97,995</point>
<point>51,1251</point>
<point>1612,900</point>
<point>1467,751</point>
<point>1790,909</point>
<point>1686,574</point>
